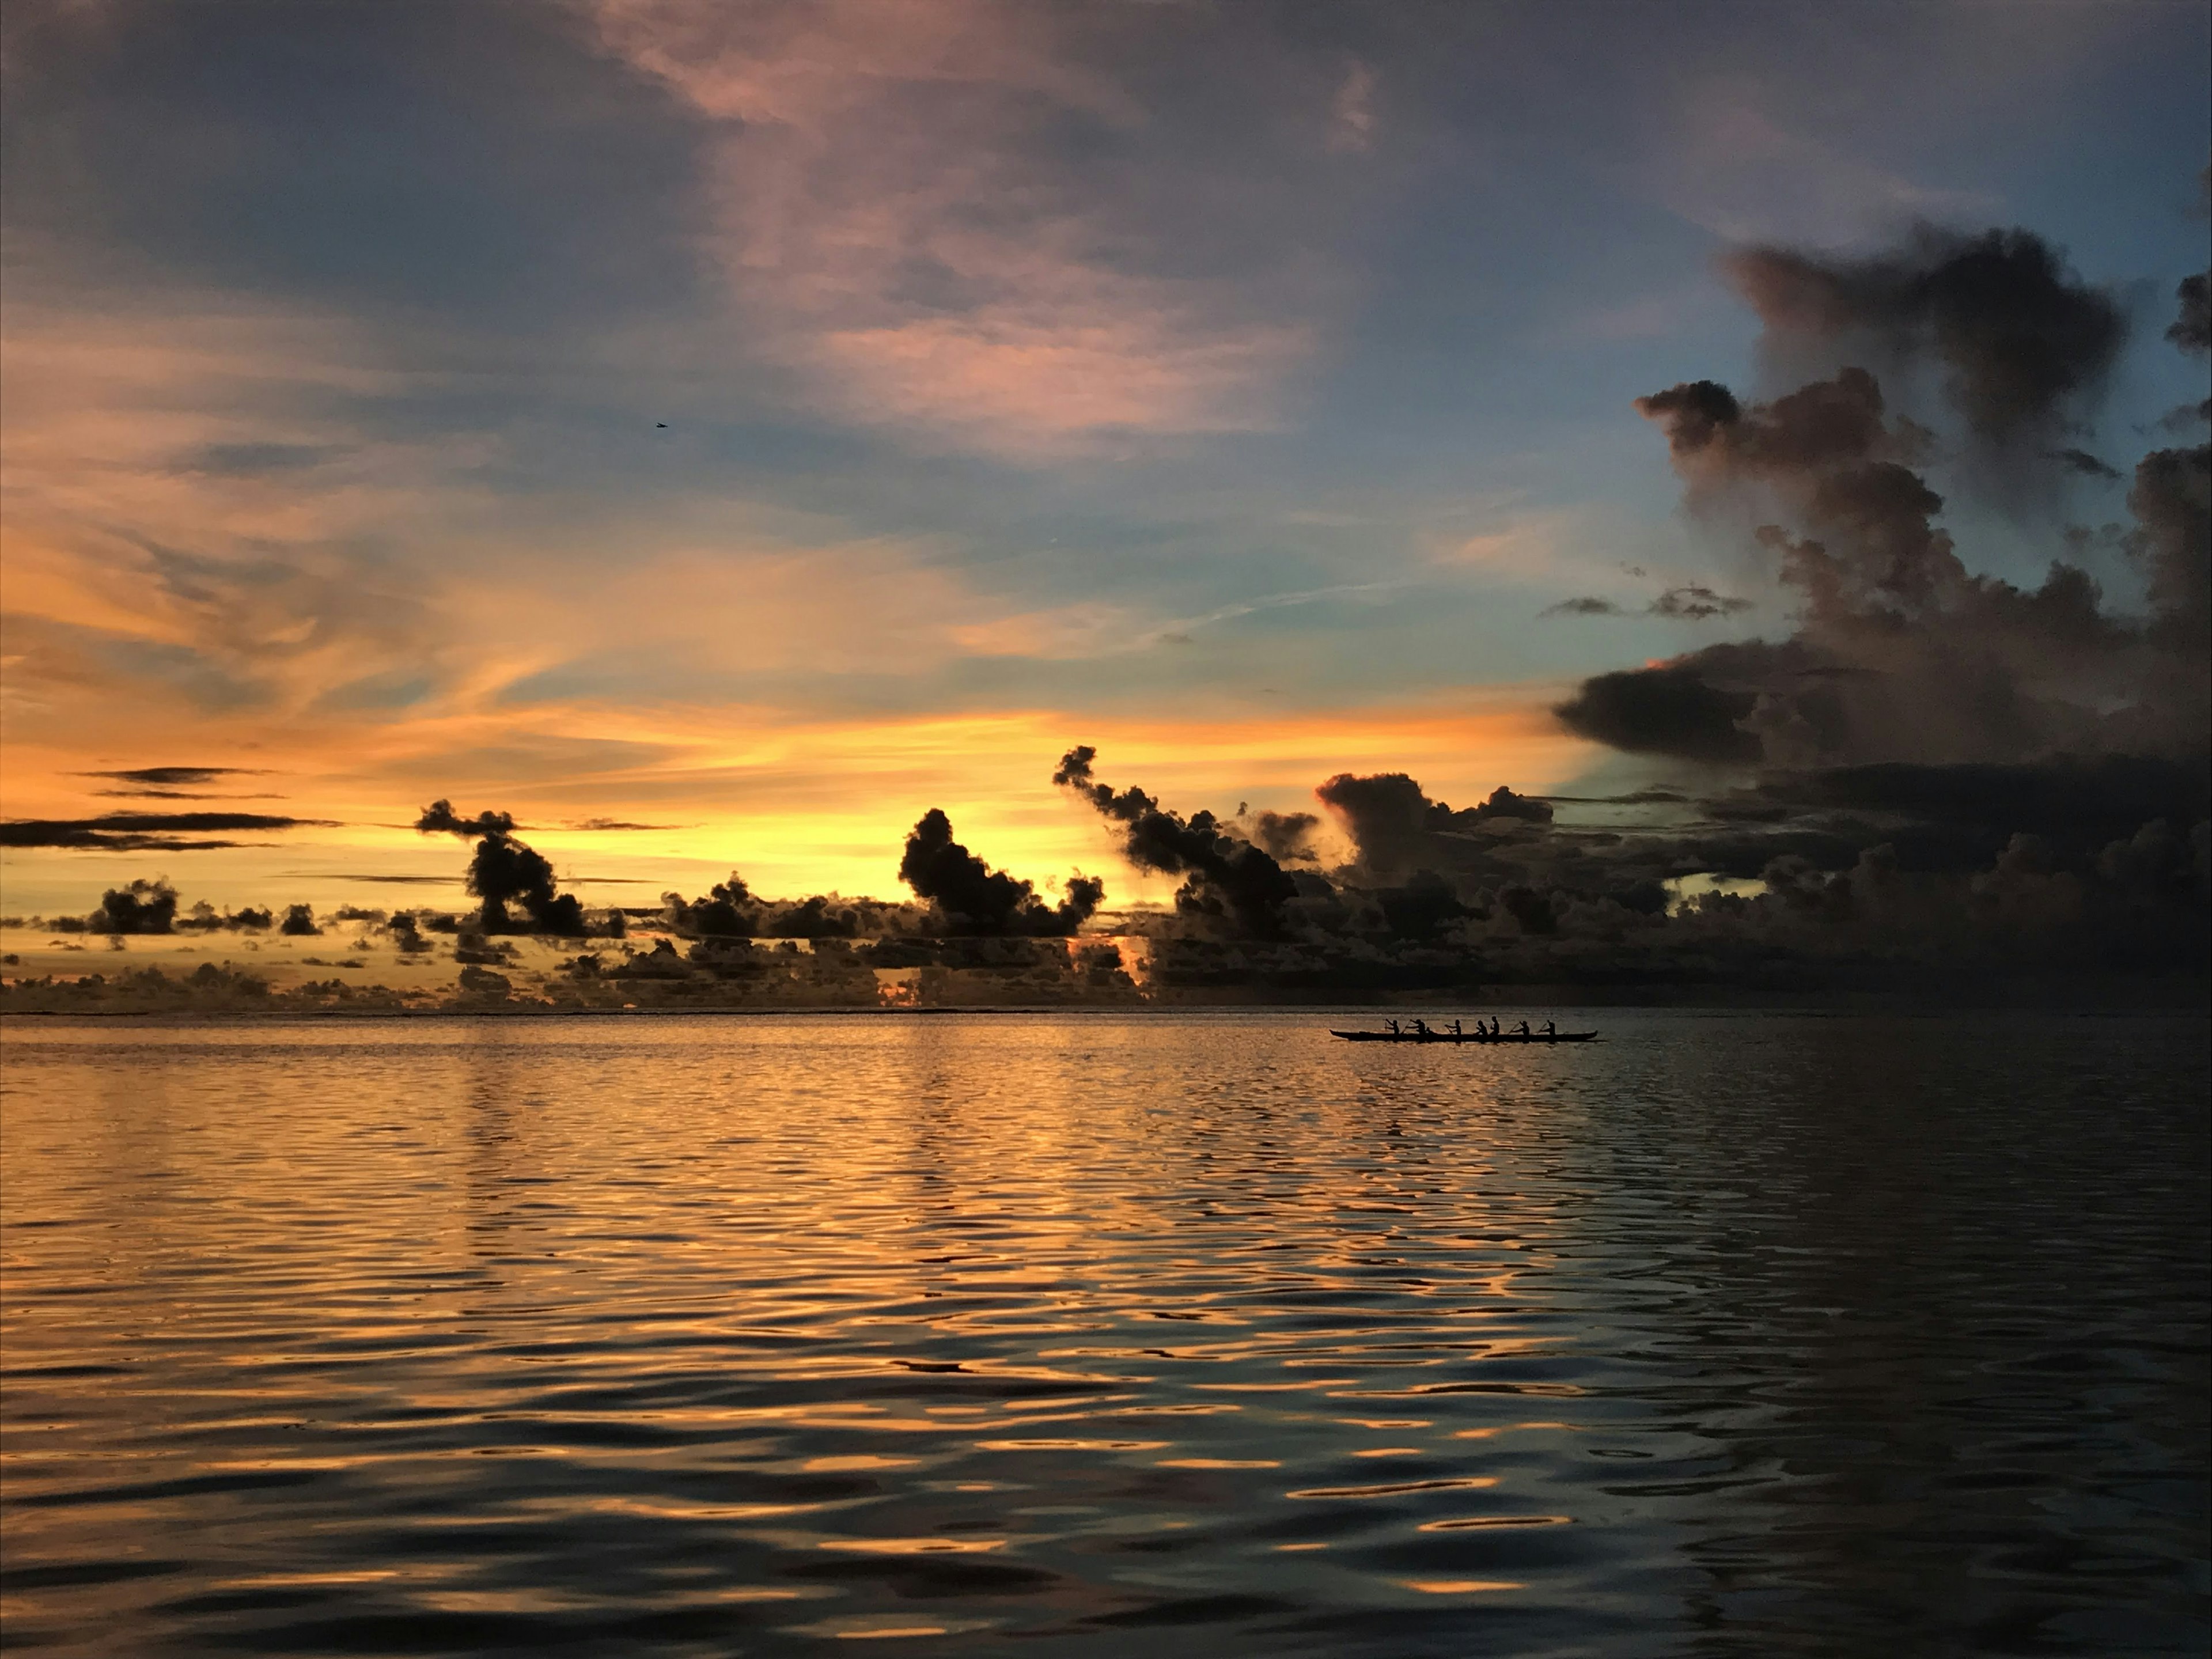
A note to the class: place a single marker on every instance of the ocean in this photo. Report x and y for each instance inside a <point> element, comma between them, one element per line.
<point>1149,1332</point>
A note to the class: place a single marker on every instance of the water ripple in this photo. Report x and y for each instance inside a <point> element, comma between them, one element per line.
<point>1732,1334</point>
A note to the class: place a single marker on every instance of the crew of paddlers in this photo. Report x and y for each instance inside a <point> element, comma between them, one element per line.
<point>1419,1028</point>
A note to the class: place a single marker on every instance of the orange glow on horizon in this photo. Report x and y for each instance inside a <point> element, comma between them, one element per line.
<point>797,806</point>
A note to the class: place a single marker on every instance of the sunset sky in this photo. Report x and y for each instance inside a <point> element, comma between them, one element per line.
<point>762,424</point>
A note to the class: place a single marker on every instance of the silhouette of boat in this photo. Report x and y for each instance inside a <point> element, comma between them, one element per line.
<point>1462,1037</point>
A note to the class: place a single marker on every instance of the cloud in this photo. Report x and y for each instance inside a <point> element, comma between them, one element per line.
<point>141,831</point>
<point>1691,602</point>
<point>1745,175</point>
<point>1227,879</point>
<point>1695,603</point>
<point>171,777</point>
<point>1664,711</point>
<point>1395,827</point>
<point>2192,329</point>
<point>1902,655</point>
<point>504,870</point>
<point>916,209</point>
<point>1351,111</point>
<point>2024,344</point>
<point>2081,462</point>
<point>975,898</point>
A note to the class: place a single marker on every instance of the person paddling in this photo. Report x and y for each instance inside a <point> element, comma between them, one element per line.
<point>1522,1030</point>
<point>1551,1029</point>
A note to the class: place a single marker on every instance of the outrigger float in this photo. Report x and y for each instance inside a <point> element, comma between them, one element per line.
<point>1424,1033</point>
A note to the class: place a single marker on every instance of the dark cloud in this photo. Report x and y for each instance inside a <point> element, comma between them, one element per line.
<point>204,918</point>
<point>732,913</point>
<point>2171,500</point>
<point>183,794</point>
<point>299,921</point>
<point>1671,710</point>
<point>2087,466</point>
<point>143,907</point>
<point>974,898</point>
<point>728,911</point>
<point>1902,653</point>
<point>2024,343</point>
<point>439,818</point>
<point>146,831</point>
<point>1692,602</point>
<point>2192,329</point>
<point>1695,603</point>
<point>173,777</point>
<point>598,824</point>
<point>505,871</point>
<point>1286,838</point>
<point>1395,827</point>
<point>1227,879</point>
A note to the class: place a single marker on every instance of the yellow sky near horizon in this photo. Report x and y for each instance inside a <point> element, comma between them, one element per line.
<point>796,806</point>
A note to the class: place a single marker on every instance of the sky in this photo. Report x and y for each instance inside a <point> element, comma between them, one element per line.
<point>756,425</point>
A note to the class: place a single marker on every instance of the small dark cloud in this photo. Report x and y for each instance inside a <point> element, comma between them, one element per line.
<point>1692,602</point>
<point>595,825</point>
<point>2087,466</point>
<point>173,777</point>
<point>2192,329</point>
<point>1695,603</point>
<point>145,832</point>
<point>180,795</point>
<point>204,918</point>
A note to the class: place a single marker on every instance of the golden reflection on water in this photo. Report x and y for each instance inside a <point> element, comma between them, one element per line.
<point>710,1334</point>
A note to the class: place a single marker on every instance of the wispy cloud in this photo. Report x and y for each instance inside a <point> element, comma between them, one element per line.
<point>906,200</point>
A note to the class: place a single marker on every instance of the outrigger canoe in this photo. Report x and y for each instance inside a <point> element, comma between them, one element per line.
<point>1463,1037</point>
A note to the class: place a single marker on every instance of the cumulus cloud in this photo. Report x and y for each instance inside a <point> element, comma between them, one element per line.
<point>505,871</point>
<point>1935,764</point>
<point>974,898</point>
<point>2024,345</point>
<point>1227,879</point>
<point>1901,652</point>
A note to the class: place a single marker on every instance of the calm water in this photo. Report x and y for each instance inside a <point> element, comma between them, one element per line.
<point>1163,1336</point>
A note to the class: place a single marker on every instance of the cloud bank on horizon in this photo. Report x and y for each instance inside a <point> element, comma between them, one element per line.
<point>770,427</point>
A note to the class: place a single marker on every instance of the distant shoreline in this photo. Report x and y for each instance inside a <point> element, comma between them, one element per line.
<point>2164,999</point>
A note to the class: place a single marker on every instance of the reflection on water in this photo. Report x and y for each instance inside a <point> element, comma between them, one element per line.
<point>1179,1335</point>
